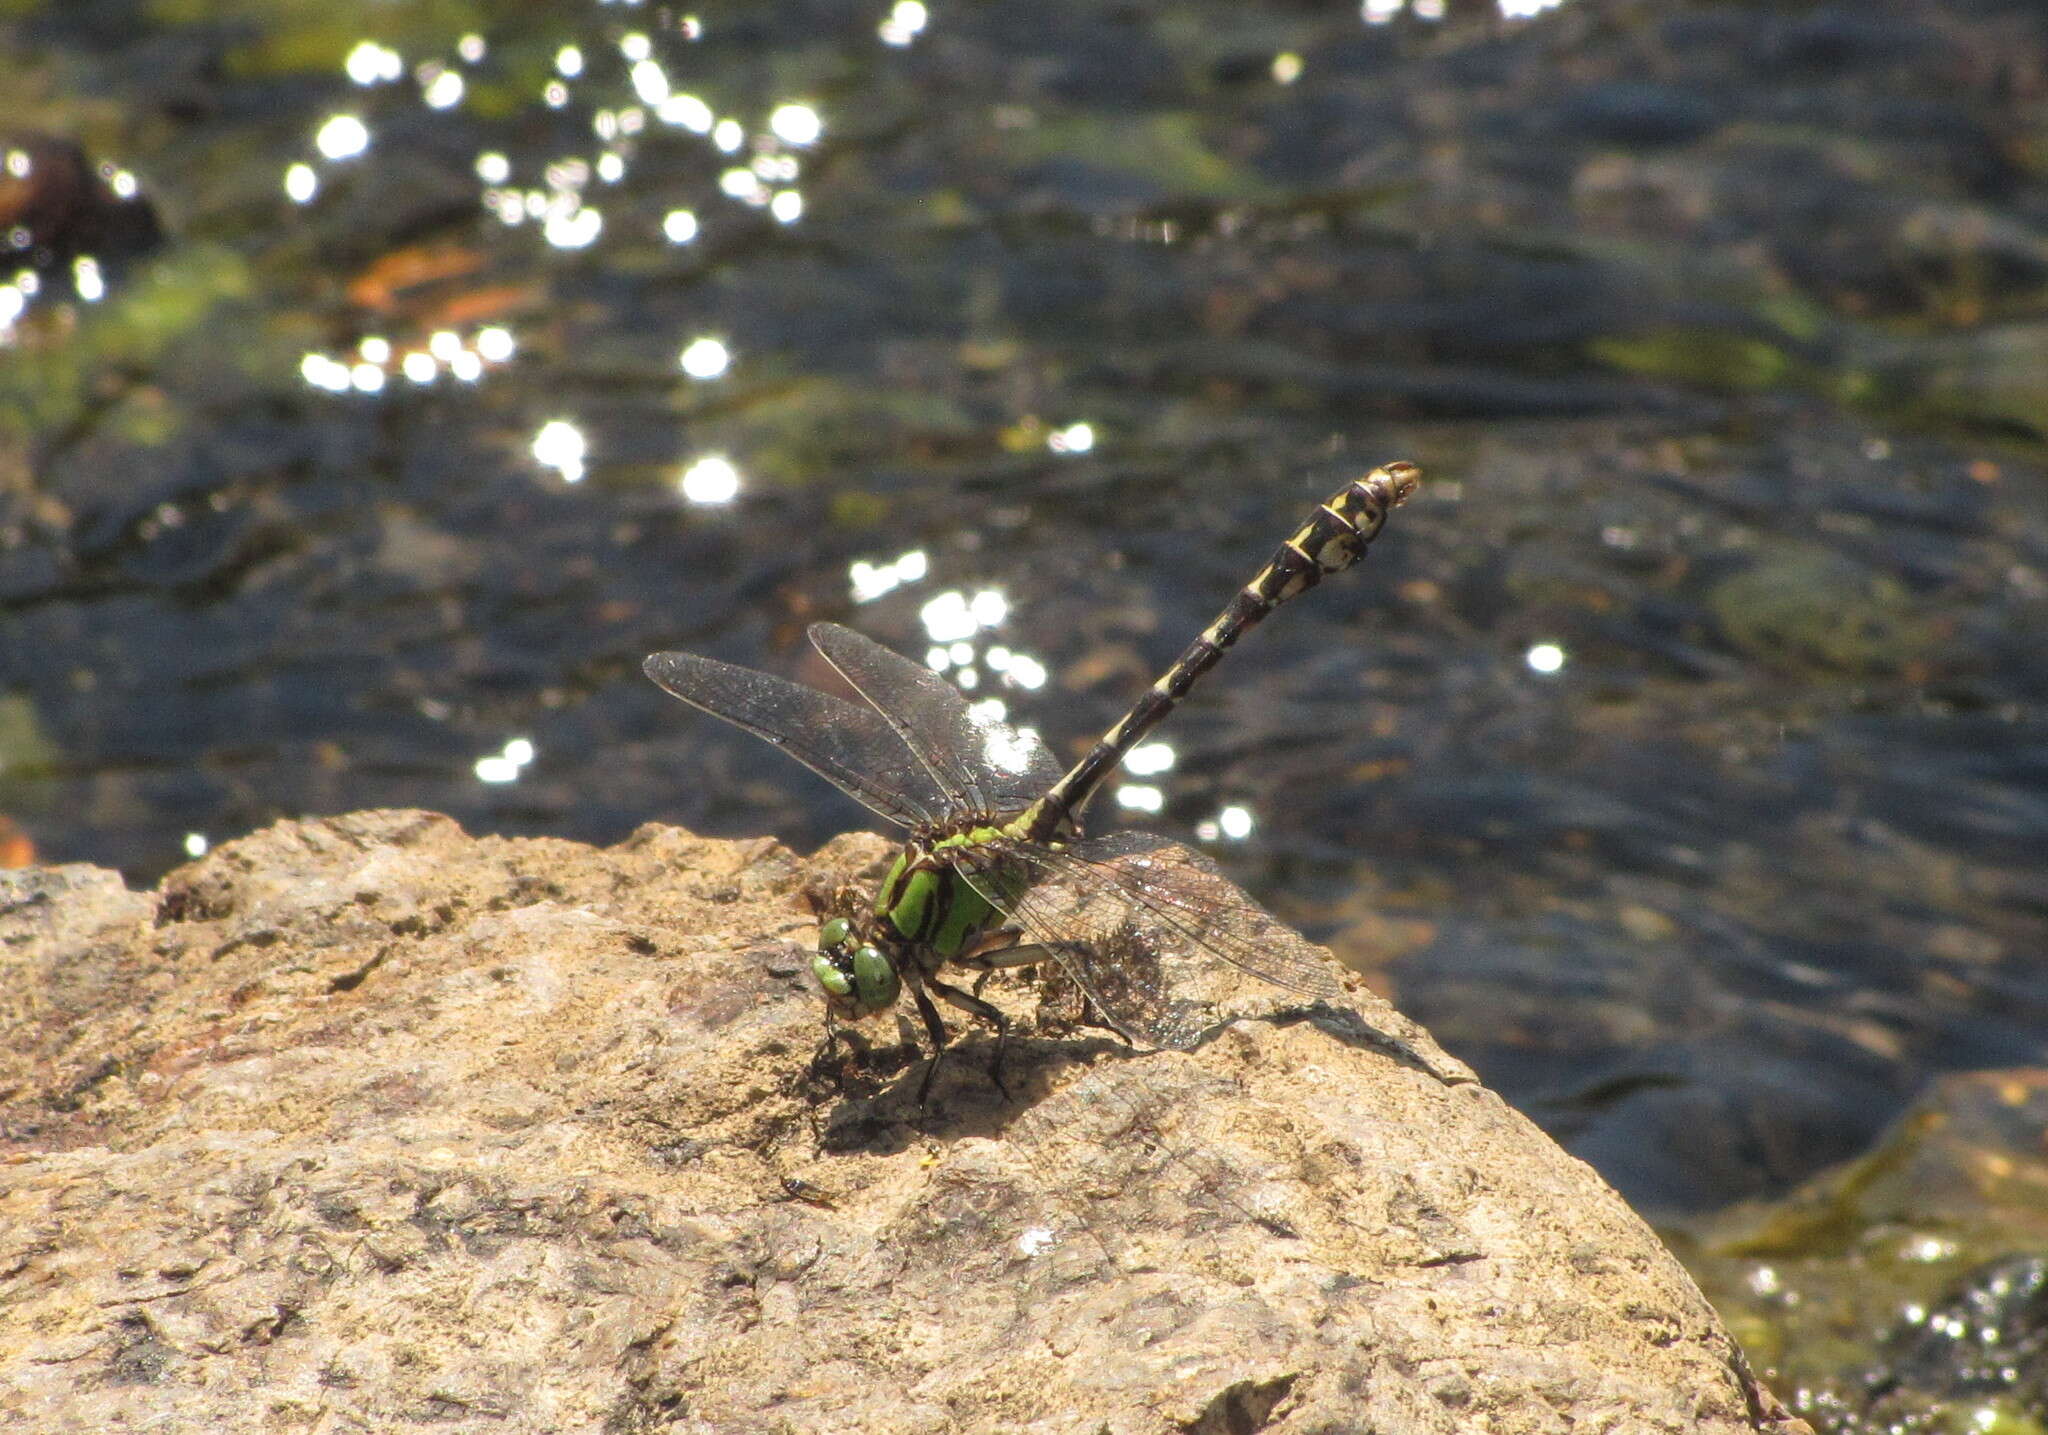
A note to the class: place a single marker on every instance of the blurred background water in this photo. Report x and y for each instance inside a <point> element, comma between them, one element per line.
<point>379,382</point>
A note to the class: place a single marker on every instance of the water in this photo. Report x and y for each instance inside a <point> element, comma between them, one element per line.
<point>1680,759</point>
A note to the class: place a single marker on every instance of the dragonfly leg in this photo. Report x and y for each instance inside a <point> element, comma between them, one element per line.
<point>973,1005</point>
<point>997,948</point>
<point>935,1029</point>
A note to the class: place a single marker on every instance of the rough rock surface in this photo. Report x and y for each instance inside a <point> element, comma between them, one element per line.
<point>364,1124</point>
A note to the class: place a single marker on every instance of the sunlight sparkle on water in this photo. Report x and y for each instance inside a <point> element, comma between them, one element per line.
<point>687,111</point>
<point>1019,670</point>
<point>467,367</point>
<point>495,344</point>
<point>1233,823</point>
<point>342,137</point>
<point>574,229</point>
<point>953,617</point>
<point>367,378</point>
<point>1148,759</point>
<point>1024,671</point>
<point>1545,658</point>
<point>1140,797</point>
<point>650,82</point>
<point>560,445</point>
<point>946,618</point>
<point>1074,438</point>
<point>711,479</point>
<point>705,359</point>
<point>443,91</point>
<point>728,135</point>
<point>124,184</point>
<point>471,48</point>
<point>1286,67</point>
<point>1381,12</point>
<point>324,373</point>
<point>569,62</point>
<point>196,844</point>
<point>376,350</point>
<point>744,185</point>
<point>504,766</point>
<point>871,580</point>
<point>85,278</point>
<point>905,23</point>
<point>680,225</point>
<point>787,206</point>
<point>989,607</point>
<point>611,167</point>
<point>635,46</point>
<point>1928,1249</point>
<point>370,63</point>
<point>419,366</point>
<point>796,124</point>
<point>301,183</point>
<point>493,168</point>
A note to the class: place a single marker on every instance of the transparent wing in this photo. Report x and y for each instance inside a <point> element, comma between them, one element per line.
<point>984,766</point>
<point>1127,915</point>
<point>847,744</point>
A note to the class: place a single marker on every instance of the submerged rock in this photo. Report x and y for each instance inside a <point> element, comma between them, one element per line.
<point>369,1120</point>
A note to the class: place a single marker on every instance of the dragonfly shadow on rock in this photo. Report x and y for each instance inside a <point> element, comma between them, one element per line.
<point>1412,1049</point>
<point>878,1099</point>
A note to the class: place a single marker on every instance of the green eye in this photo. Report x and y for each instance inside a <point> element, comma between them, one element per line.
<point>875,978</point>
<point>835,982</point>
<point>833,933</point>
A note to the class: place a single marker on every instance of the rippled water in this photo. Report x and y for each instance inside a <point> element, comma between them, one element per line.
<point>1679,756</point>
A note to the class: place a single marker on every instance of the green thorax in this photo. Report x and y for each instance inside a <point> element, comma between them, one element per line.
<point>929,905</point>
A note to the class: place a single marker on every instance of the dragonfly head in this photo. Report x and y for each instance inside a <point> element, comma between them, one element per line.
<point>858,977</point>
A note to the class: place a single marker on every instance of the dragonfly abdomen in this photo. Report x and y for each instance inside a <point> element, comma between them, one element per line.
<point>1335,537</point>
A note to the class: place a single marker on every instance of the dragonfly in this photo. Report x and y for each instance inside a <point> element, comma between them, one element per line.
<point>996,869</point>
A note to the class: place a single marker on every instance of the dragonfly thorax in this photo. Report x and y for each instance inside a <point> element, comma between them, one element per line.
<point>925,913</point>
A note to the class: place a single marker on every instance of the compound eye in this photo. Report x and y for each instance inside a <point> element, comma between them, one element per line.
<point>875,978</point>
<point>833,933</point>
<point>835,982</point>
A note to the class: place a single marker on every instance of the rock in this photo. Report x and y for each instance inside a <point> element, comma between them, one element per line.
<point>363,1123</point>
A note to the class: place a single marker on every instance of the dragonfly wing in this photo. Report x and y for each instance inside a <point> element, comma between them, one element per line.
<point>981,763</point>
<point>1088,930</point>
<point>846,743</point>
<point>1129,915</point>
<point>1186,895</point>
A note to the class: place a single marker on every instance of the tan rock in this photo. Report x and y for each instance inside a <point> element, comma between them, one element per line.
<point>364,1124</point>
